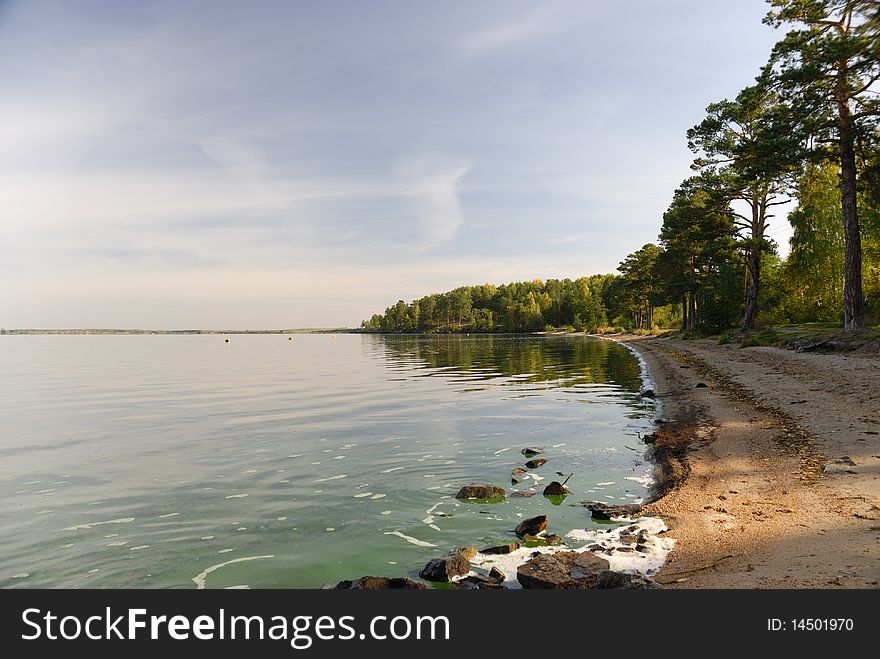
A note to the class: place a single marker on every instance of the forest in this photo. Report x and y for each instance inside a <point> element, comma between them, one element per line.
<point>804,140</point>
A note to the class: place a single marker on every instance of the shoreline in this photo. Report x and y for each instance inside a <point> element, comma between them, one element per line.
<point>764,480</point>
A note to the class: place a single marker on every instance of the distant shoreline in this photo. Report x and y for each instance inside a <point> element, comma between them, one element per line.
<point>111,331</point>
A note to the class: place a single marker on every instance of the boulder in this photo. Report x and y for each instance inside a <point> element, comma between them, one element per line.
<point>478,582</point>
<point>521,493</point>
<point>531,526</point>
<point>380,583</point>
<point>501,549</point>
<point>497,575</point>
<point>481,491</point>
<point>648,393</point>
<point>443,569</point>
<point>537,462</point>
<point>518,471</point>
<point>531,450</point>
<point>468,552</point>
<point>555,489</point>
<point>606,511</point>
<point>563,570</point>
<point>609,579</point>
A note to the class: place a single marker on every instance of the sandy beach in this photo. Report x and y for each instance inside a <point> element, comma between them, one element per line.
<point>771,471</point>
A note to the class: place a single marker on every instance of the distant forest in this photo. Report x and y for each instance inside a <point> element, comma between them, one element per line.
<point>803,138</point>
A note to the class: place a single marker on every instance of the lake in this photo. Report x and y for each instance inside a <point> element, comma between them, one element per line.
<point>164,461</point>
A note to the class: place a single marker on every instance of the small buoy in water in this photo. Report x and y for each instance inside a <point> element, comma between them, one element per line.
<point>226,340</point>
<point>290,338</point>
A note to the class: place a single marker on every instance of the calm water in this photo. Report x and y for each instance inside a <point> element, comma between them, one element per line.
<point>144,461</point>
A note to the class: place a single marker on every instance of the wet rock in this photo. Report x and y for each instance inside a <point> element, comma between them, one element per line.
<point>521,494</point>
<point>380,583</point>
<point>531,450</point>
<point>478,582</point>
<point>648,393</point>
<point>537,462</point>
<point>443,569</point>
<point>555,489</point>
<point>605,511</point>
<point>650,438</point>
<point>531,526</point>
<point>518,471</point>
<point>609,579</point>
<point>482,491</point>
<point>563,570</point>
<point>497,575</point>
<point>548,540</point>
<point>501,549</point>
<point>468,552</point>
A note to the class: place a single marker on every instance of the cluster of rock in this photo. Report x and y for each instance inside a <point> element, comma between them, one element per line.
<point>559,570</point>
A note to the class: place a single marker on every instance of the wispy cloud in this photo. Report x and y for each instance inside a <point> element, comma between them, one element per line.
<point>518,29</point>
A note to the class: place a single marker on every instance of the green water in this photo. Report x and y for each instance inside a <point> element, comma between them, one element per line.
<point>143,461</point>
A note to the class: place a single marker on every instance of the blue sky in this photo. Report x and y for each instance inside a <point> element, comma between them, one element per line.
<point>286,164</point>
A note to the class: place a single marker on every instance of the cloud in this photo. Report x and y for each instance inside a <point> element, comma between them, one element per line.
<point>517,30</point>
<point>429,185</point>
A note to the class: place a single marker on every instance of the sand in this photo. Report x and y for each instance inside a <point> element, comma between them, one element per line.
<point>744,465</point>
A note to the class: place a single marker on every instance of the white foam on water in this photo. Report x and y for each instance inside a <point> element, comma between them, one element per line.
<point>388,471</point>
<point>362,486</point>
<point>385,512</point>
<point>241,528</point>
<point>647,563</point>
<point>68,545</point>
<point>295,455</point>
<point>249,471</point>
<point>95,571</point>
<point>285,481</point>
<point>22,575</point>
<point>32,483</point>
<point>410,539</point>
<point>331,478</point>
<point>349,445</point>
<point>338,457</point>
<point>207,537</point>
<point>605,484</point>
<point>201,578</point>
<point>503,450</point>
<point>44,512</point>
<point>559,445</point>
<point>236,496</point>
<point>226,551</point>
<point>281,519</point>
<point>392,562</point>
<point>434,487</point>
<point>112,535</point>
<point>121,543</point>
<point>138,548</point>
<point>644,481</point>
<point>362,495</point>
<point>377,496</point>
<point>430,475</point>
<point>166,515</point>
<point>329,528</point>
<point>79,527</point>
<point>241,587</point>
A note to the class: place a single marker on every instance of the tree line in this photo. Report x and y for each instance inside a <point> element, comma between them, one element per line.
<point>804,134</point>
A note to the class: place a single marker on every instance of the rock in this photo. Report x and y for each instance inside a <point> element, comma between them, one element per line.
<point>443,569</point>
<point>701,385</point>
<point>537,462</point>
<point>844,460</point>
<point>380,583</point>
<point>501,549</point>
<point>606,511</point>
<point>481,491</point>
<point>555,489</point>
<point>650,438</point>
<point>648,393</point>
<point>609,579</point>
<point>468,552</point>
<point>530,451</point>
<point>518,471</point>
<point>478,582</point>
<point>832,469</point>
<point>548,540</point>
<point>521,493</point>
<point>497,575</point>
<point>563,570</point>
<point>531,526</point>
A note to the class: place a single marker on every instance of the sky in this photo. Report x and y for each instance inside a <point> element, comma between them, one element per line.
<point>286,164</point>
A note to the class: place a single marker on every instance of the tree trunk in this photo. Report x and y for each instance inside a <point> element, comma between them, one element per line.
<point>853,300</point>
<point>754,268</point>
<point>684,312</point>
<point>692,310</point>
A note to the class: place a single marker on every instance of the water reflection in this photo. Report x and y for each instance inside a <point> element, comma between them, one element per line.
<point>560,362</point>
